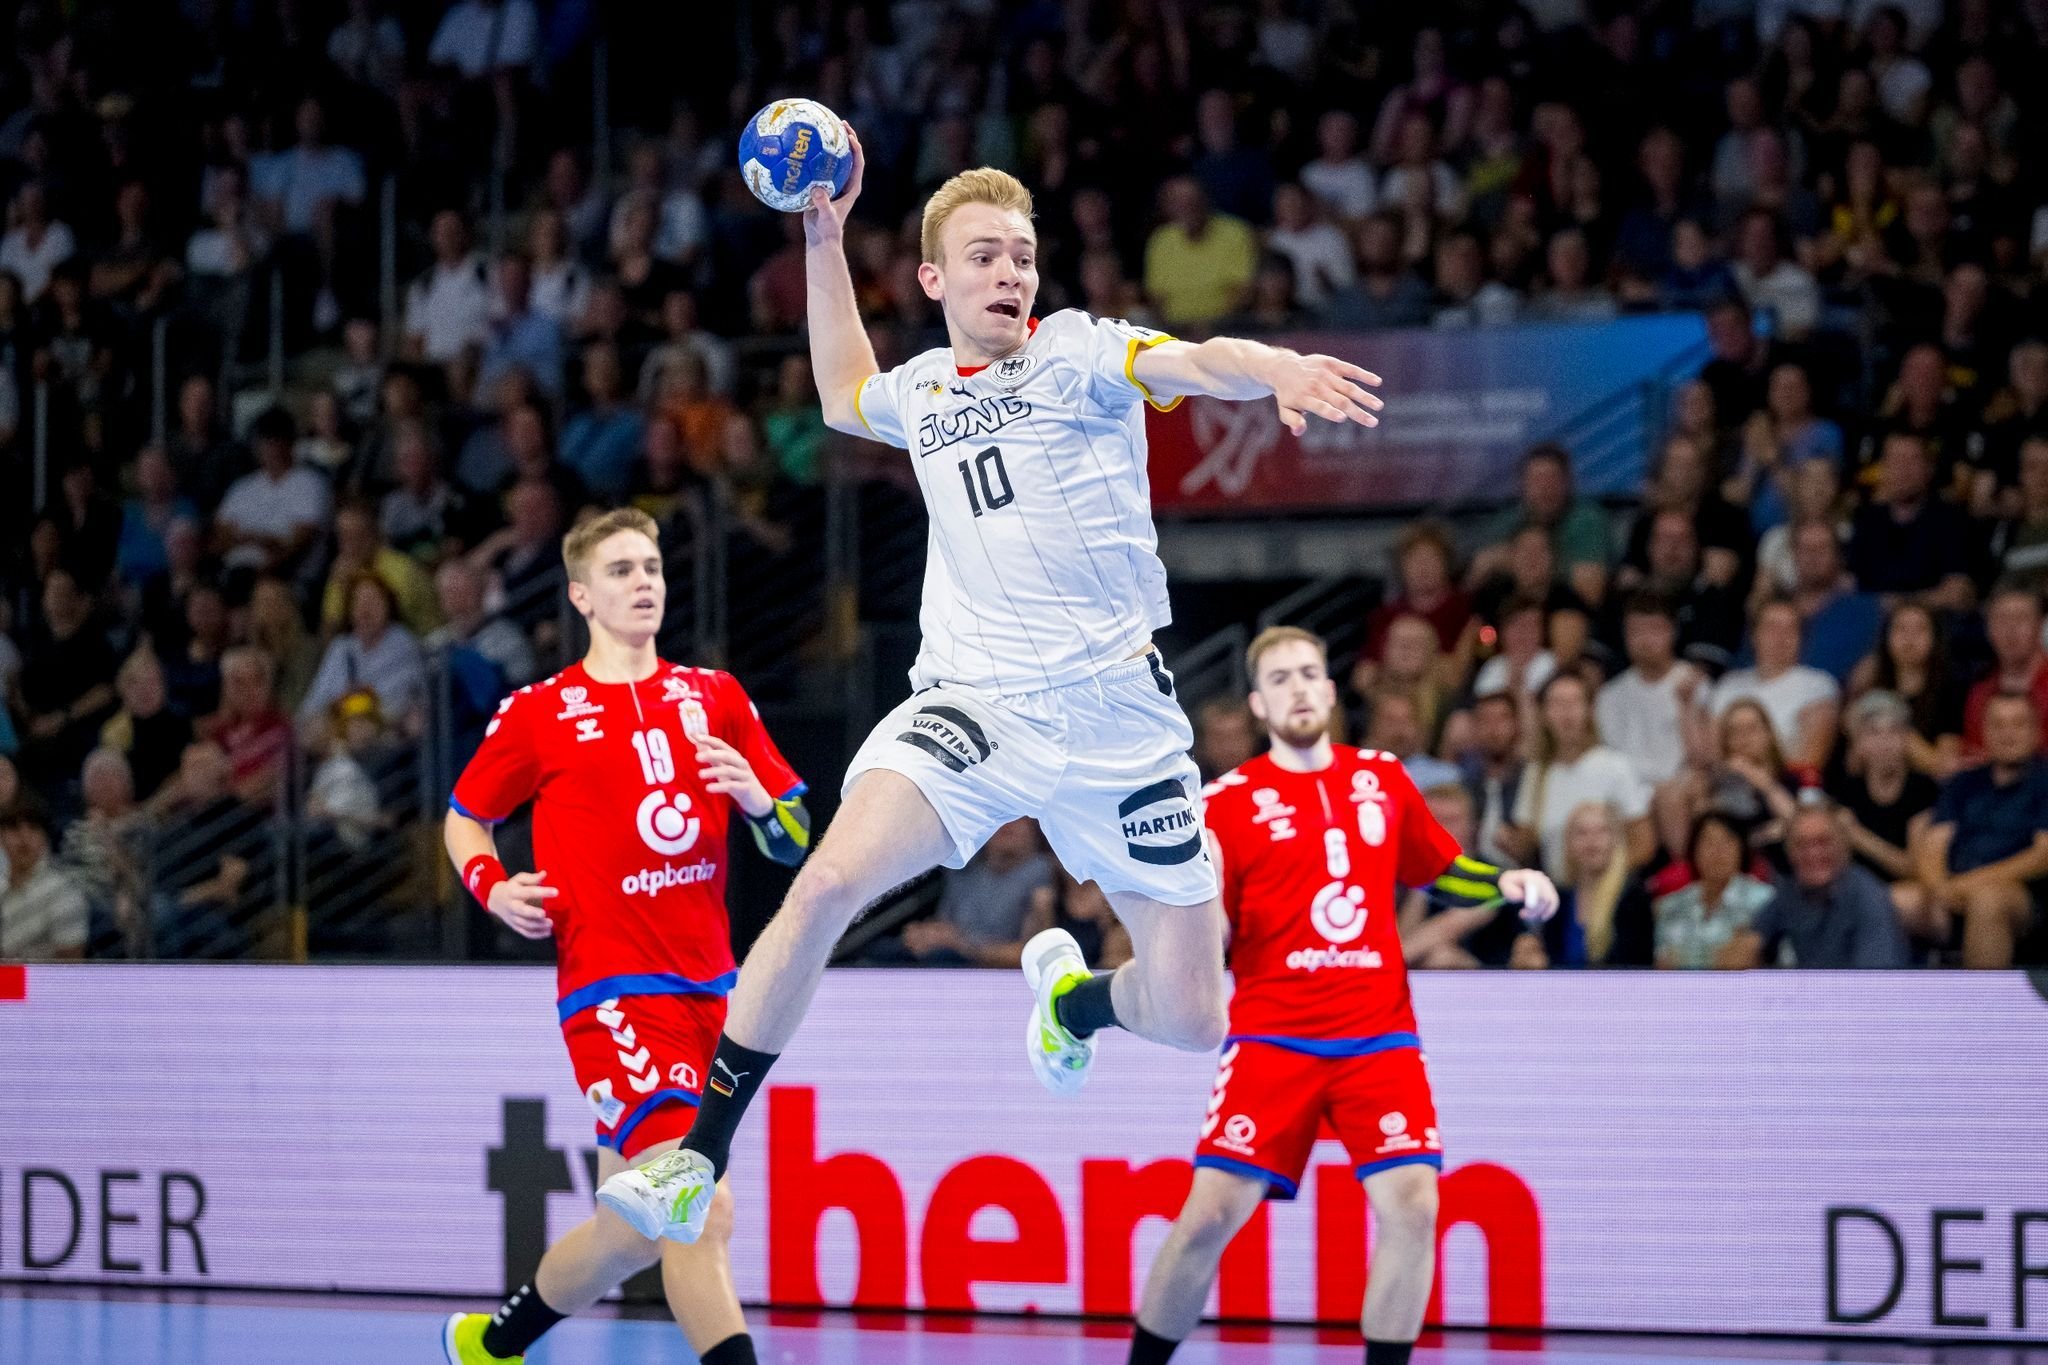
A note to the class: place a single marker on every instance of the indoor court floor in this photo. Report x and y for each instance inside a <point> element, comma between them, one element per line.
<point>46,1326</point>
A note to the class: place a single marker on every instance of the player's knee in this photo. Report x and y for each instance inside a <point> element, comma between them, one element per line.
<point>1199,1021</point>
<point>1208,1225</point>
<point>718,1223</point>
<point>826,894</point>
<point>625,1251</point>
<point>1407,1207</point>
<point>1210,1030</point>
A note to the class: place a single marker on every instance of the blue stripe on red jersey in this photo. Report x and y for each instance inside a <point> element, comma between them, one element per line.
<point>643,983</point>
<point>1330,1047</point>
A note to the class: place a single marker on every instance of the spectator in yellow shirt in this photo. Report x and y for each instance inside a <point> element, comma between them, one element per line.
<point>359,548</point>
<point>1199,263</point>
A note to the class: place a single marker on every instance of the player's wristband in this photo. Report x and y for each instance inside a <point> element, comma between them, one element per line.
<point>480,874</point>
<point>1468,884</point>
<point>783,831</point>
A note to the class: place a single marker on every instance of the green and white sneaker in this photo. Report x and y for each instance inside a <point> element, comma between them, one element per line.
<point>668,1197</point>
<point>1053,965</point>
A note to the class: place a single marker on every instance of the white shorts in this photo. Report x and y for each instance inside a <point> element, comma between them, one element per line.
<point>1102,766</point>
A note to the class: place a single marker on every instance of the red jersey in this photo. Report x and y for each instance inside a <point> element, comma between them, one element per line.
<point>622,823</point>
<point>1310,864</point>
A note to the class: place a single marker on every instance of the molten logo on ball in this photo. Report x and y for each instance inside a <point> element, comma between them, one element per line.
<point>792,147</point>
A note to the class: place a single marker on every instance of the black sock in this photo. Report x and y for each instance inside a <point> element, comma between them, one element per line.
<point>518,1323</point>
<point>736,1073</point>
<point>1087,1008</point>
<point>1388,1352</point>
<point>1147,1349</point>
<point>737,1349</point>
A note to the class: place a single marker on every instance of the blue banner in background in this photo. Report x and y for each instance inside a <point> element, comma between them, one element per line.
<point>1462,409</point>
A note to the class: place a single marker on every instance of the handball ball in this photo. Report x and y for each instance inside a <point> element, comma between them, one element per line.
<point>790,146</point>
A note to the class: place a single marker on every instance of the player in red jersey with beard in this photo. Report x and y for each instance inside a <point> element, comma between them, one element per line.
<point>1312,838</point>
<point>634,765</point>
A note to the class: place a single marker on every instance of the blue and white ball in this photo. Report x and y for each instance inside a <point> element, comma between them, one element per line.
<point>790,146</point>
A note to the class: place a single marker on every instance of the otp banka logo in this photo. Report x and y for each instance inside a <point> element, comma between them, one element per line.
<point>1338,911</point>
<point>665,824</point>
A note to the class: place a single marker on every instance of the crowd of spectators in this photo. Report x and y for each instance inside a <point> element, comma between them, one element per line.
<point>235,610</point>
<point>1842,770</point>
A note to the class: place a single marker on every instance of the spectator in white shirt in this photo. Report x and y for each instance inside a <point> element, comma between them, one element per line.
<point>566,189</point>
<point>231,243</point>
<point>300,192</point>
<point>681,224</point>
<point>34,245</point>
<point>374,654</point>
<point>1771,282</point>
<point>1570,293</point>
<point>1573,767</point>
<point>1339,176</point>
<point>561,283</point>
<point>1903,81</point>
<point>1523,666</point>
<point>1803,703</point>
<point>1418,160</point>
<point>368,47</point>
<point>684,340</point>
<point>1464,296</point>
<point>1642,709</point>
<point>1318,250</point>
<point>43,913</point>
<point>449,307</point>
<point>271,517</point>
<point>479,37</point>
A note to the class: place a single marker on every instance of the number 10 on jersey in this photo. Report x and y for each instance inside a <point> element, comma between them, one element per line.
<point>995,492</point>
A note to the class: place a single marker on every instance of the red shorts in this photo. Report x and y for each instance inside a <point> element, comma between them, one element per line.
<point>1270,1105</point>
<point>641,1061</point>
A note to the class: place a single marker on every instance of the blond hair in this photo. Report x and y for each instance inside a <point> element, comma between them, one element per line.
<point>982,185</point>
<point>1272,637</point>
<point>582,542</point>
<point>1597,889</point>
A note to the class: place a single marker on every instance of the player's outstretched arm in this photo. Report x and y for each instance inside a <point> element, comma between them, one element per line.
<point>841,355</point>
<point>519,900</point>
<point>1234,368</point>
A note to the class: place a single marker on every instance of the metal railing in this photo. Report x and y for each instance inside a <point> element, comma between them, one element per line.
<point>1213,667</point>
<point>1334,608</point>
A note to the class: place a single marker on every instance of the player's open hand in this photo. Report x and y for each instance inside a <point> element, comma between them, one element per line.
<point>1534,891</point>
<point>1324,386</point>
<point>725,769</point>
<point>825,219</point>
<point>521,901</point>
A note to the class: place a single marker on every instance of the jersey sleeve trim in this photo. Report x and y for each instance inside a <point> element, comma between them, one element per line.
<point>1131,350</point>
<point>794,792</point>
<point>858,389</point>
<point>469,814</point>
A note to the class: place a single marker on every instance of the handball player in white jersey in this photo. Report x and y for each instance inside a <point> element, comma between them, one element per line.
<point>1037,691</point>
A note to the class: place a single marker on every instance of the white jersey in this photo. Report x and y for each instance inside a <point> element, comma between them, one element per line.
<point>1043,566</point>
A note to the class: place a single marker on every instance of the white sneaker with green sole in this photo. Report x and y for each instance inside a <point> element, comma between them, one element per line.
<point>668,1197</point>
<point>1053,965</point>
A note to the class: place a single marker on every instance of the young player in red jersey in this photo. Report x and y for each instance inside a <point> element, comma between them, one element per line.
<point>634,765</point>
<point>1312,838</point>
